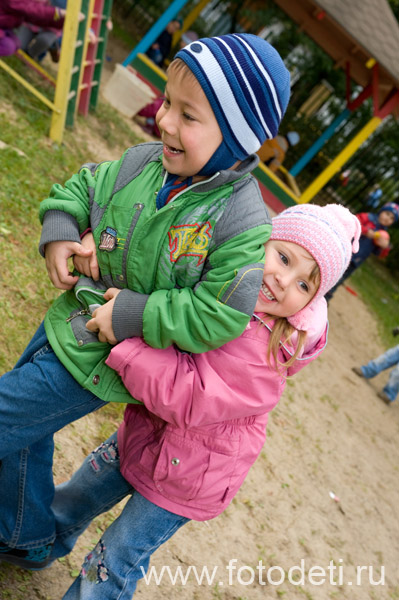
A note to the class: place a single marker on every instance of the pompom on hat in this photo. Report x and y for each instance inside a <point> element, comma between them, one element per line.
<point>248,87</point>
<point>329,233</point>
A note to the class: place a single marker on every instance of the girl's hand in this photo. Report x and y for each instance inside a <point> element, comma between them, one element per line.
<point>88,265</point>
<point>102,318</point>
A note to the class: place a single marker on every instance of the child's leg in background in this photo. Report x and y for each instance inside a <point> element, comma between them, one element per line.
<point>382,362</point>
<point>392,387</point>
<point>37,398</point>
<point>112,569</point>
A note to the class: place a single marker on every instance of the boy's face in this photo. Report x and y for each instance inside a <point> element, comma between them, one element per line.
<point>386,218</point>
<point>189,130</point>
<point>288,285</point>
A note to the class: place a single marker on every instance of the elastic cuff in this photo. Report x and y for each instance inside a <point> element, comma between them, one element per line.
<point>127,314</point>
<point>58,226</point>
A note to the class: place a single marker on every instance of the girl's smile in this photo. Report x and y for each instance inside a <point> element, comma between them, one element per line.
<point>288,284</point>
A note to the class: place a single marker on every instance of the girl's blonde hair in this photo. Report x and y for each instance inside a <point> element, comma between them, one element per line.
<point>282,332</point>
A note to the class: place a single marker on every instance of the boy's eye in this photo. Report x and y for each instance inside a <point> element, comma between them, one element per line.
<point>166,102</point>
<point>188,117</point>
<point>283,257</point>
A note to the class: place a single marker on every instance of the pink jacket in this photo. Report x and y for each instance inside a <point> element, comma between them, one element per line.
<point>15,12</point>
<point>203,423</point>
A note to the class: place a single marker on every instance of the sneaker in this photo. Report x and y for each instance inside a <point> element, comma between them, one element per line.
<point>358,371</point>
<point>384,397</point>
<point>34,559</point>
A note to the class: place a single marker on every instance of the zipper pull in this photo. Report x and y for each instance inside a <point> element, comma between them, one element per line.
<point>78,314</point>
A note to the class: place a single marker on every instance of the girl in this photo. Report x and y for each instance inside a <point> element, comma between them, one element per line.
<point>185,451</point>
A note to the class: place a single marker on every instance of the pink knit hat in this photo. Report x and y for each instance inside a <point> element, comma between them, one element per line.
<point>329,233</point>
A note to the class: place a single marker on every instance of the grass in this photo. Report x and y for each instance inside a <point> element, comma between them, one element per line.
<point>379,289</point>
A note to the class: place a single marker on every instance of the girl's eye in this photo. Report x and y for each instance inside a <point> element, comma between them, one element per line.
<point>188,117</point>
<point>284,259</point>
<point>304,286</point>
<point>166,102</point>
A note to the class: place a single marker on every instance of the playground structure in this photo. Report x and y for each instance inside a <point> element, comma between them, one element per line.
<point>79,70</point>
<point>361,36</point>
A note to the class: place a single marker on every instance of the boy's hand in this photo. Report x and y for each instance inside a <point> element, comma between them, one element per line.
<point>102,318</point>
<point>88,265</point>
<point>56,256</point>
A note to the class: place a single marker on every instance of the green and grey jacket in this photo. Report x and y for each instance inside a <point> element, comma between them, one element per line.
<point>189,273</point>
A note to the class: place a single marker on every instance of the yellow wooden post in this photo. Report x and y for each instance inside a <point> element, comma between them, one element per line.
<point>69,37</point>
<point>189,20</point>
<point>339,161</point>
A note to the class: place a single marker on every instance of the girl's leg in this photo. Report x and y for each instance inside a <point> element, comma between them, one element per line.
<point>121,557</point>
<point>93,489</point>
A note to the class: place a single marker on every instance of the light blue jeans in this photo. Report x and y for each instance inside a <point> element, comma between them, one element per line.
<point>390,358</point>
<point>121,557</point>
<point>37,398</point>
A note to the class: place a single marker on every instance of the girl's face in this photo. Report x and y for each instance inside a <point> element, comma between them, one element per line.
<point>288,285</point>
<point>189,130</point>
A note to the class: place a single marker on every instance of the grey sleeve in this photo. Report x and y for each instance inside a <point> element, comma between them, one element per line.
<point>127,314</point>
<point>58,226</point>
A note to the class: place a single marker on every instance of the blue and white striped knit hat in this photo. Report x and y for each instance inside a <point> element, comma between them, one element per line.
<point>248,88</point>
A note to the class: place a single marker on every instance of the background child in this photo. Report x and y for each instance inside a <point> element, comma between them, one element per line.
<point>14,12</point>
<point>185,452</point>
<point>371,241</point>
<point>179,231</point>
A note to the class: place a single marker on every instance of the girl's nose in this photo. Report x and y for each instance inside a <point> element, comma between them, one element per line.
<point>282,279</point>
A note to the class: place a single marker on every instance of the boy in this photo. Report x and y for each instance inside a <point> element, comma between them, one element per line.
<point>179,229</point>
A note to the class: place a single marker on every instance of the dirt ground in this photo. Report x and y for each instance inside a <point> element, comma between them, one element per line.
<point>316,518</point>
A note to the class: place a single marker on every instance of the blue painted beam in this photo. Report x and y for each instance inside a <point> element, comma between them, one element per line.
<point>158,27</point>
<point>314,149</point>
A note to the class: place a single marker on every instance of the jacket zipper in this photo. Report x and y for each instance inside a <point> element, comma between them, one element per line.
<point>84,311</point>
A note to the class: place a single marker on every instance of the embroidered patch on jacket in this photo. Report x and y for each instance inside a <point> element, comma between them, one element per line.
<point>190,240</point>
<point>108,239</point>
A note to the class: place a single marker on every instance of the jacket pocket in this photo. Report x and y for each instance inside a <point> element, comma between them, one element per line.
<point>195,471</point>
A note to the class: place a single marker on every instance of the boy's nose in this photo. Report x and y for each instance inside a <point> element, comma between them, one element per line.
<point>167,122</point>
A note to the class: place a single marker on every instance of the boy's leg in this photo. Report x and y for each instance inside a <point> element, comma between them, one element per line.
<point>37,398</point>
<point>385,361</point>
<point>121,557</point>
<point>392,387</point>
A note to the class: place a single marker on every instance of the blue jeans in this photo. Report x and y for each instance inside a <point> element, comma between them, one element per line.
<point>37,398</point>
<point>121,557</point>
<point>390,358</point>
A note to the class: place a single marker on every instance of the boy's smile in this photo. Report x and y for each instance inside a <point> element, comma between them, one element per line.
<point>287,284</point>
<point>189,130</point>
